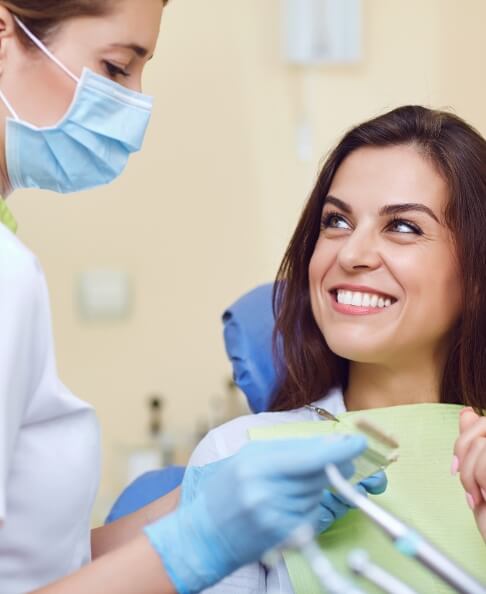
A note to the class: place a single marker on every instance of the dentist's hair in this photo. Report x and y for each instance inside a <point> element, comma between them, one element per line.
<point>42,17</point>
<point>309,369</point>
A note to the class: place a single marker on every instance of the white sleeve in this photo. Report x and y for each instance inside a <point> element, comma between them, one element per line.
<point>21,301</point>
<point>226,440</point>
<point>206,451</point>
<point>250,579</point>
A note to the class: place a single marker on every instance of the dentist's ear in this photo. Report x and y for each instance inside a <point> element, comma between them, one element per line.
<point>8,35</point>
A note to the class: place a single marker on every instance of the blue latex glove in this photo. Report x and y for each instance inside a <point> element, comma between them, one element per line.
<point>333,507</point>
<point>246,505</point>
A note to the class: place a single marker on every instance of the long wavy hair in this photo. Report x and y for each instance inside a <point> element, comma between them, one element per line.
<point>308,368</point>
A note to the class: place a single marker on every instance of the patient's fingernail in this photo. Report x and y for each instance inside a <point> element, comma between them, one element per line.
<point>470,501</point>
<point>466,409</point>
<point>454,465</point>
<point>483,493</point>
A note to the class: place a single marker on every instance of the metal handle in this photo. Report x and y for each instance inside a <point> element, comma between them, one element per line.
<point>407,541</point>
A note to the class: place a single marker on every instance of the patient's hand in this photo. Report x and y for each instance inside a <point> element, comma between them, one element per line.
<point>470,460</point>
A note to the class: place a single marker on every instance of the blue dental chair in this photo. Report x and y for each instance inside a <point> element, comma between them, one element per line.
<point>248,328</point>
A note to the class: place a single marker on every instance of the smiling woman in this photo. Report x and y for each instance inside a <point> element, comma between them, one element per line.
<point>379,299</point>
<point>381,245</point>
<point>394,227</point>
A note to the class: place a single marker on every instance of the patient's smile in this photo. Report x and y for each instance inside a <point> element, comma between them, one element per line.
<point>361,301</point>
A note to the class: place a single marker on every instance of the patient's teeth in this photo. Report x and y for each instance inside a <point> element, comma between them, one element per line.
<point>358,299</point>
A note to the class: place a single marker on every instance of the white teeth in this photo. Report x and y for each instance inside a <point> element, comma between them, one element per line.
<point>359,299</point>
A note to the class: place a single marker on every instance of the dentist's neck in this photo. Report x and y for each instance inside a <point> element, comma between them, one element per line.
<point>380,385</point>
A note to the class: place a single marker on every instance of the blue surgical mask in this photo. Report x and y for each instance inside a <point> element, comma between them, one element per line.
<point>91,144</point>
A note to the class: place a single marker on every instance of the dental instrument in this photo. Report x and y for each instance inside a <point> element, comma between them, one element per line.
<point>302,540</point>
<point>406,540</point>
<point>322,412</point>
<point>360,564</point>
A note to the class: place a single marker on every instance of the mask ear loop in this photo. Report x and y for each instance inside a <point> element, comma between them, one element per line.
<point>45,49</point>
<point>8,105</point>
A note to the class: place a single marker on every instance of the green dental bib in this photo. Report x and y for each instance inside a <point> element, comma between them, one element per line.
<point>421,492</point>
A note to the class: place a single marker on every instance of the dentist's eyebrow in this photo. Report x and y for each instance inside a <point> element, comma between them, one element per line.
<point>141,52</point>
<point>390,209</point>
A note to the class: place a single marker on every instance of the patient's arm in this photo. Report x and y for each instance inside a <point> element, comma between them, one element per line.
<point>112,536</point>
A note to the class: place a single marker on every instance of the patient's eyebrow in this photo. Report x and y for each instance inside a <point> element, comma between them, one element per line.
<point>339,203</point>
<point>389,209</point>
<point>392,209</point>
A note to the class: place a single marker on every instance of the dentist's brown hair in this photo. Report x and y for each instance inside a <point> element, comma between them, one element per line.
<point>308,368</point>
<point>42,17</point>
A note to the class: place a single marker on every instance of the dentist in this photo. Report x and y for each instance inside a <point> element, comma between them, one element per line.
<point>71,113</point>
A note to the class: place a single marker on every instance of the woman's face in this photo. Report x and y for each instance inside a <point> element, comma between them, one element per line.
<point>384,281</point>
<point>117,45</point>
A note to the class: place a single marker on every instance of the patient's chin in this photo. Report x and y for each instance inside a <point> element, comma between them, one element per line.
<point>359,351</point>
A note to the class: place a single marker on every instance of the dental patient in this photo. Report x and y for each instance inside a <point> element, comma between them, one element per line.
<point>383,299</point>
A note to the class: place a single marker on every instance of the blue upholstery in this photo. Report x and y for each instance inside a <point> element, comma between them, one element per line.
<point>145,489</point>
<point>248,328</point>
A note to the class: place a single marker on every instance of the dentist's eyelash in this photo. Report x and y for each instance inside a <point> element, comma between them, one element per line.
<point>113,70</point>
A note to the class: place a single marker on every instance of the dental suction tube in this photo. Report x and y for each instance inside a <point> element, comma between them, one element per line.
<point>406,540</point>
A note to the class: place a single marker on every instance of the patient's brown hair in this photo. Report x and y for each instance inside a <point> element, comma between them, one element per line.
<point>310,369</point>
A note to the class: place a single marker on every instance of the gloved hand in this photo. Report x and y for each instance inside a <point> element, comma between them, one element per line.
<point>246,505</point>
<point>333,507</point>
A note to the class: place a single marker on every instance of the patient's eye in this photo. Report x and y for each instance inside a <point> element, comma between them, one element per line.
<point>334,220</point>
<point>403,226</point>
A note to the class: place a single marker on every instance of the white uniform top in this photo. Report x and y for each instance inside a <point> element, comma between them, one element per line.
<point>225,441</point>
<point>49,440</point>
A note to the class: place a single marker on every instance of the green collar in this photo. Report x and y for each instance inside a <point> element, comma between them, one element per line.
<point>6,217</point>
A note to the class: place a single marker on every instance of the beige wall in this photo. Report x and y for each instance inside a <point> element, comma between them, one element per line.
<point>204,213</point>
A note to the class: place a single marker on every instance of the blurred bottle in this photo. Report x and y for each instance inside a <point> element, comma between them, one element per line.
<point>158,450</point>
<point>161,438</point>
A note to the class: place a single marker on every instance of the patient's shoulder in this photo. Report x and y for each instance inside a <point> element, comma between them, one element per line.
<point>227,439</point>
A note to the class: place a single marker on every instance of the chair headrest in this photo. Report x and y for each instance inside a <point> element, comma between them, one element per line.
<point>248,330</point>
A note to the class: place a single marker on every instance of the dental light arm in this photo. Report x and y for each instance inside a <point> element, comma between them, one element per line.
<point>406,540</point>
